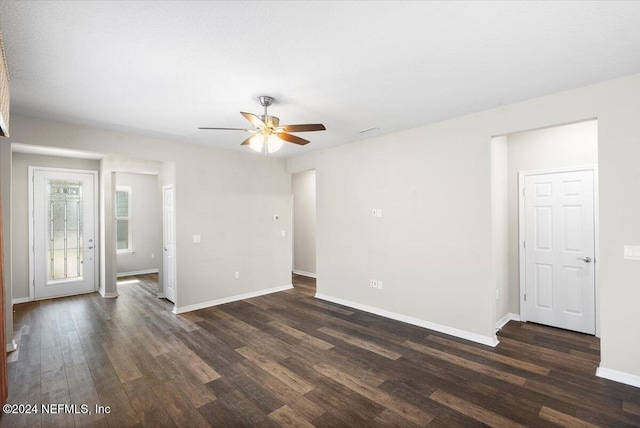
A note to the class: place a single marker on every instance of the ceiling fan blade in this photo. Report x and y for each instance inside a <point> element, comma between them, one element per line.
<point>255,120</point>
<point>230,129</point>
<point>291,138</point>
<point>304,128</point>
<point>247,141</point>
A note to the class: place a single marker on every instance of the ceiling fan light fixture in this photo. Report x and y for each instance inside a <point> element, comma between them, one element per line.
<point>274,143</point>
<point>256,143</point>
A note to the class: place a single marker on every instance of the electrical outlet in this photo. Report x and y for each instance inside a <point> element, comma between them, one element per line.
<point>197,239</point>
<point>380,284</point>
<point>373,283</point>
<point>153,256</point>
<point>379,213</point>
<point>237,275</point>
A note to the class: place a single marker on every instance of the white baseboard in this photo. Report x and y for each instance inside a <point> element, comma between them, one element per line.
<point>195,307</point>
<point>615,375</point>
<point>19,300</point>
<point>505,319</point>
<point>463,334</point>
<point>136,272</point>
<point>12,346</point>
<point>104,294</point>
<point>160,295</point>
<point>303,273</point>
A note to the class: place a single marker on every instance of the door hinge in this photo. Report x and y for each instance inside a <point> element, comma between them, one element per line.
<point>523,191</point>
<point>34,283</point>
<point>524,244</point>
<point>525,297</point>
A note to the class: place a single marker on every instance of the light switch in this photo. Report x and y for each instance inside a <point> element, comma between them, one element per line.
<point>632,252</point>
<point>283,233</point>
<point>379,213</point>
<point>197,239</point>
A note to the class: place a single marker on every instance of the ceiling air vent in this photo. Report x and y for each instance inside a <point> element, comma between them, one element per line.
<point>369,131</point>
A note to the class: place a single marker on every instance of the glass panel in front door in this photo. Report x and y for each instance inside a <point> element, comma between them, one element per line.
<point>64,231</point>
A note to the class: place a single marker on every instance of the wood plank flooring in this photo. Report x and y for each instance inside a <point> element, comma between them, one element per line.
<point>287,359</point>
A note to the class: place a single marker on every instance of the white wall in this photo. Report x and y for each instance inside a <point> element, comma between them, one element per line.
<point>500,224</point>
<point>556,147</point>
<point>433,247</point>
<point>303,187</point>
<point>145,223</point>
<point>227,197</point>
<point>20,210</point>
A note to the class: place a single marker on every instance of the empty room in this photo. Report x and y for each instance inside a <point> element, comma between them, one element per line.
<point>320,213</point>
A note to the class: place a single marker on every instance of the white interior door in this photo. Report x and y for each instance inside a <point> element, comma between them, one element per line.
<point>168,241</point>
<point>63,232</point>
<point>560,250</point>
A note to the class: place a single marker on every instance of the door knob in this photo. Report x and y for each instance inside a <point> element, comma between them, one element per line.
<point>165,248</point>
<point>586,259</point>
<point>91,248</point>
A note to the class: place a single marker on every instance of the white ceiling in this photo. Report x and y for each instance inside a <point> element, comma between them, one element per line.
<point>165,68</point>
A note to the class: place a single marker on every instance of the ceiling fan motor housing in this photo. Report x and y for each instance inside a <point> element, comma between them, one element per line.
<point>270,121</point>
<point>265,100</point>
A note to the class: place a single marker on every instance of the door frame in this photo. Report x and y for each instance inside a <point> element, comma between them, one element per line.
<point>521,233</point>
<point>175,249</point>
<point>96,214</point>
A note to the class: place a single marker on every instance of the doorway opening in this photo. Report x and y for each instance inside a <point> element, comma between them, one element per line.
<point>138,227</point>
<point>544,216</point>
<point>303,187</point>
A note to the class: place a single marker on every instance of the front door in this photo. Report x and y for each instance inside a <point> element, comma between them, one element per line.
<point>560,250</point>
<point>63,238</point>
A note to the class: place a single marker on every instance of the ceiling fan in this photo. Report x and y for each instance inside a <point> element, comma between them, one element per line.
<point>268,135</point>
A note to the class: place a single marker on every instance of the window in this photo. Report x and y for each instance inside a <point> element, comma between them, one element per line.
<point>123,220</point>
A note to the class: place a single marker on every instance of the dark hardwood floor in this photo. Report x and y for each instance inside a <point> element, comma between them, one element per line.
<point>288,359</point>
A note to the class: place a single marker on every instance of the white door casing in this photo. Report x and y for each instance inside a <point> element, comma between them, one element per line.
<point>168,243</point>
<point>63,225</point>
<point>559,249</point>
